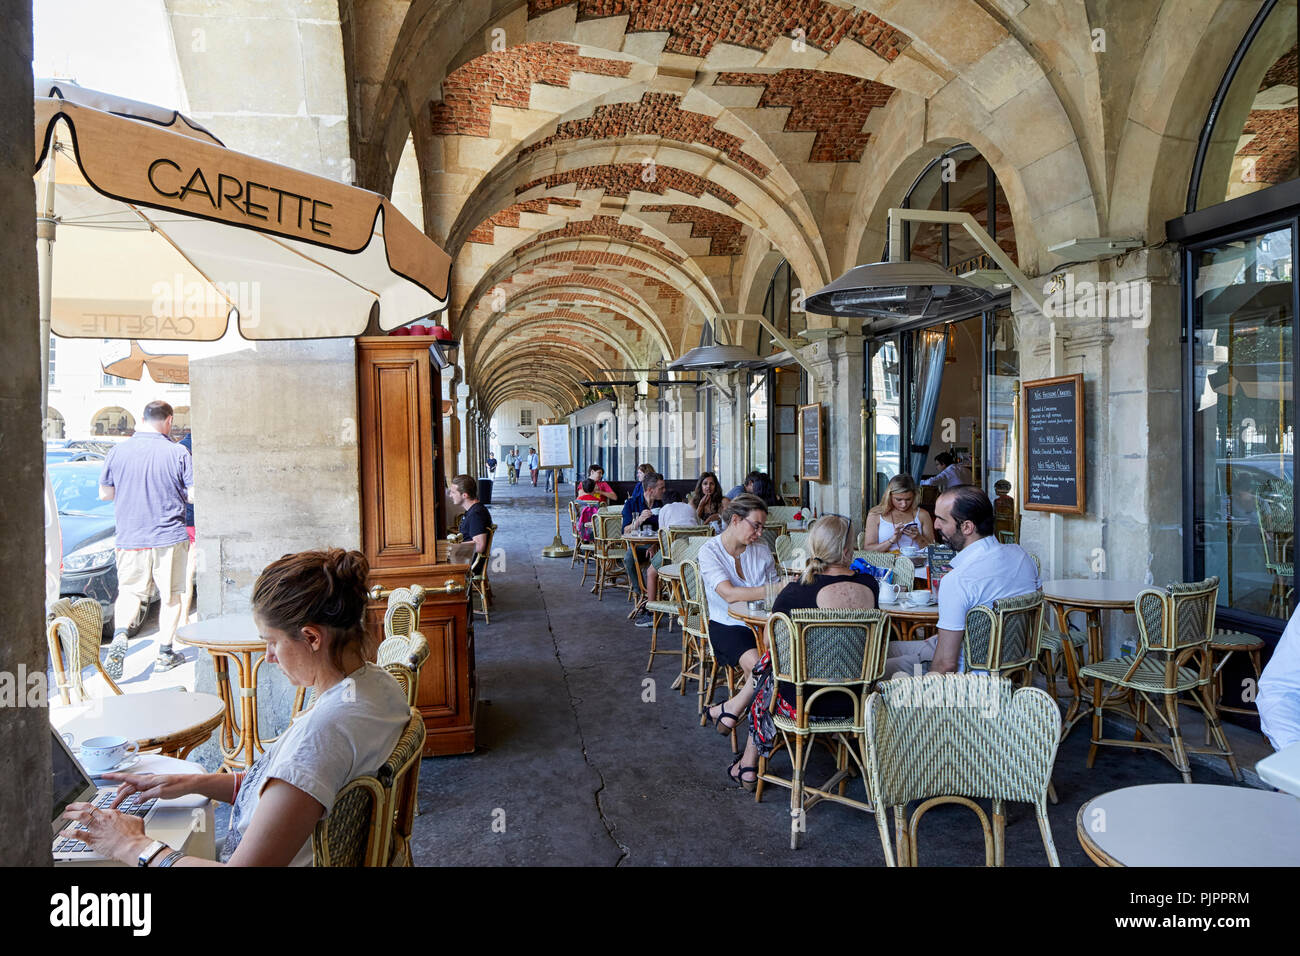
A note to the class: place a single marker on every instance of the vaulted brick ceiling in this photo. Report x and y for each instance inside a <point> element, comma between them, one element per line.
<point>625,165</point>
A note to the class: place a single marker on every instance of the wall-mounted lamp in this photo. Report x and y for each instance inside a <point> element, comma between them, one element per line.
<point>444,349</point>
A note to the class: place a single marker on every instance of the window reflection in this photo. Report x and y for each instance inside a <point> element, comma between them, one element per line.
<point>1244,421</point>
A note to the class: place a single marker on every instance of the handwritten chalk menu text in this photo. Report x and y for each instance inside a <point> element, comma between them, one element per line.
<point>812,443</point>
<point>1053,458</point>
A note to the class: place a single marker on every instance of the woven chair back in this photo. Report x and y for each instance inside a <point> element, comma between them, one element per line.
<point>967,735</point>
<point>1038,565</point>
<point>781,513</point>
<point>75,627</point>
<point>829,646</point>
<point>403,657</point>
<point>1274,510</point>
<point>877,559</point>
<point>612,510</point>
<point>1177,617</point>
<point>783,549</point>
<point>697,602</point>
<point>1003,636</point>
<point>771,531</point>
<point>904,571</point>
<point>352,834</point>
<point>400,776</point>
<point>608,530</point>
<point>483,561</point>
<point>402,618</point>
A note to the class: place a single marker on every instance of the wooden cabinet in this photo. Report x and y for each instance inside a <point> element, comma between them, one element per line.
<point>401,511</point>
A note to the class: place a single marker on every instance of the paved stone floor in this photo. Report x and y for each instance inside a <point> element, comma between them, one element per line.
<point>575,768</point>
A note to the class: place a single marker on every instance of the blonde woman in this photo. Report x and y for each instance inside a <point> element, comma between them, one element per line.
<point>897,521</point>
<point>828,582</point>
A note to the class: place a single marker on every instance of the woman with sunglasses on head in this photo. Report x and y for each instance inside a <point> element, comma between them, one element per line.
<point>827,582</point>
<point>734,566</point>
<point>898,521</point>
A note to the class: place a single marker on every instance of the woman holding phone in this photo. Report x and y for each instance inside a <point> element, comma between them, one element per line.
<point>897,521</point>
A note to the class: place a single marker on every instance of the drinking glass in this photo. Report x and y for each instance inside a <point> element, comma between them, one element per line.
<point>773,587</point>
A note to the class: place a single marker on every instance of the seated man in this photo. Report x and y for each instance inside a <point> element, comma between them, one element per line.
<point>476,520</point>
<point>637,515</point>
<point>1279,689</point>
<point>983,570</point>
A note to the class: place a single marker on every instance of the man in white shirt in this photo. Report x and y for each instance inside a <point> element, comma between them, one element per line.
<point>982,571</point>
<point>532,464</point>
<point>1279,689</point>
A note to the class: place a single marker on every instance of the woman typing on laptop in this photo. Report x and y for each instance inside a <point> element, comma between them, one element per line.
<point>308,608</point>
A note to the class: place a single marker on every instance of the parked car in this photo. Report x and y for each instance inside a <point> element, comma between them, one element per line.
<point>88,529</point>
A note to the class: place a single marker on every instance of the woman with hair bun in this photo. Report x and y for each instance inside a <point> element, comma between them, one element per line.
<point>309,608</point>
<point>828,582</point>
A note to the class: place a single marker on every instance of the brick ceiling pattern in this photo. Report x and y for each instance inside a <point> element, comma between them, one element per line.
<point>664,290</point>
<point>724,233</point>
<point>695,26</point>
<point>832,105</point>
<point>590,257</point>
<point>619,179</point>
<point>604,226</point>
<point>659,115</point>
<point>504,79</point>
<point>485,231</point>
<point>1276,132</point>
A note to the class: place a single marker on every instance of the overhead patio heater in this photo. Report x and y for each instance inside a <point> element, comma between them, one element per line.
<point>896,292</point>
<point>714,358</point>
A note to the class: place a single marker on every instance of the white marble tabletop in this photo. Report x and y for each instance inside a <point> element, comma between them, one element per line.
<point>1192,824</point>
<point>152,715</point>
<point>226,629</point>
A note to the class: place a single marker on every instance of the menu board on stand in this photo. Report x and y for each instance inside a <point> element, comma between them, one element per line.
<point>553,446</point>
<point>1053,476</point>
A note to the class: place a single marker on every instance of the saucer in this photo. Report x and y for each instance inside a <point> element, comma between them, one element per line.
<point>125,765</point>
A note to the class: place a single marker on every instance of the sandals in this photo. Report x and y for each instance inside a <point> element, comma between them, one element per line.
<point>735,719</point>
<point>749,785</point>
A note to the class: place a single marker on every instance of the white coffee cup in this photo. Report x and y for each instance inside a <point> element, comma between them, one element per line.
<point>888,593</point>
<point>105,753</point>
<point>921,598</point>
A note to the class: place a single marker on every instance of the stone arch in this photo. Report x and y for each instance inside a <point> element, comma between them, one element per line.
<point>113,420</point>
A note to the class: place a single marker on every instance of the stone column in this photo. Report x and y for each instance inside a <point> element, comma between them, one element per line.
<point>462,427</point>
<point>625,446</point>
<point>25,796</point>
<point>840,373</point>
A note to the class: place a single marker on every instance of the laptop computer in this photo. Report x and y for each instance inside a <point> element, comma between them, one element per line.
<point>72,784</point>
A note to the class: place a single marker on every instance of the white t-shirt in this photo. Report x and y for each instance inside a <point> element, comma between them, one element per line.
<point>349,732</point>
<point>716,565</point>
<point>1279,689</point>
<point>982,572</point>
<point>675,514</point>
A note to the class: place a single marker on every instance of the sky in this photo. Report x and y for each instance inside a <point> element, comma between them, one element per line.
<point>117,46</point>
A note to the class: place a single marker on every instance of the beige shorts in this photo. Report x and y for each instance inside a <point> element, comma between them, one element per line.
<point>165,566</point>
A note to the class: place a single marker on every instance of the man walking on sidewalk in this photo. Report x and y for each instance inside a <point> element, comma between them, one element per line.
<point>149,479</point>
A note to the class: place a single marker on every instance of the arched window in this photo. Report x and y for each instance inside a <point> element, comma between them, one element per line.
<point>1249,141</point>
<point>112,421</point>
<point>960,180</point>
<point>54,425</point>
<point>180,422</point>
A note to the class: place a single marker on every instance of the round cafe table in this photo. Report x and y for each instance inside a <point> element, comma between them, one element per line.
<point>1190,824</point>
<point>1091,597</point>
<point>233,637</point>
<point>757,620</point>
<point>171,721</point>
<point>908,618</point>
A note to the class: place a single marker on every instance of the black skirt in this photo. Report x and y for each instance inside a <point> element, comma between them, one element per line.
<point>730,641</point>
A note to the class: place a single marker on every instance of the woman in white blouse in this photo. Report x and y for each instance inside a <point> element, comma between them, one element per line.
<point>735,566</point>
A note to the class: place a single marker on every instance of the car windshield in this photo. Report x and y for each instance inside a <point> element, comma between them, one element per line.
<point>77,491</point>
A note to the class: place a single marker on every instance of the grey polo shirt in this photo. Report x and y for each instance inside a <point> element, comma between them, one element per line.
<point>149,474</point>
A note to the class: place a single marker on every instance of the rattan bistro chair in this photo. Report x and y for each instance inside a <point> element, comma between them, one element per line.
<point>403,657</point>
<point>73,634</point>
<point>370,822</point>
<point>677,548</point>
<point>1175,627</point>
<point>1274,511</point>
<point>1002,638</point>
<point>698,661</point>
<point>478,579</point>
<point>610,548</point>
<point>823,652</point>
<point>782,513</point>
<point>957,738</point>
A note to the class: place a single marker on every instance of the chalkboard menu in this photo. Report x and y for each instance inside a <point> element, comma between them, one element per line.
<point>812,443</point>
<point>1053,456</point>
<point>938,558</point>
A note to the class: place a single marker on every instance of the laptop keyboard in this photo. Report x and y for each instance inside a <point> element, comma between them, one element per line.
<point>132,805</point>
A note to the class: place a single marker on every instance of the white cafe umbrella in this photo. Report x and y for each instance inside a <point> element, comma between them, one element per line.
<point>164,233</point>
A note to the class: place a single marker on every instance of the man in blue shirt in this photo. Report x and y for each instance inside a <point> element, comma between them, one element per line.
<point>149,479</point>
<point>637,516</point>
